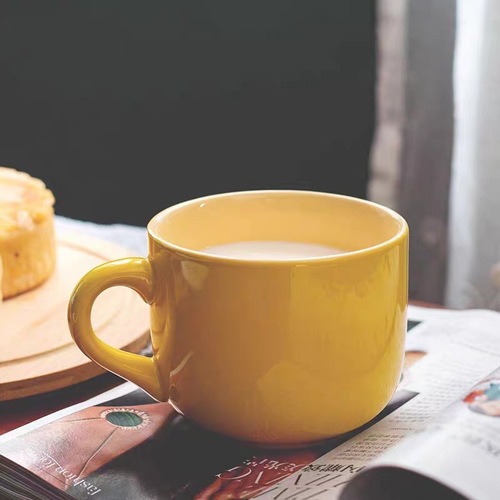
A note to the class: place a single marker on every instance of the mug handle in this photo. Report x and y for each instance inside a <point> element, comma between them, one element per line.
<point>135,273</point>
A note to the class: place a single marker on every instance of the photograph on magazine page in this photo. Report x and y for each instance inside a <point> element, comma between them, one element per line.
<point>133,447</point>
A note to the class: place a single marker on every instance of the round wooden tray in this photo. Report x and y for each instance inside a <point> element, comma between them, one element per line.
<point>37,352</point>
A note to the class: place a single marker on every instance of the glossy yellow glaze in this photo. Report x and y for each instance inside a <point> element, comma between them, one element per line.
<point>277,353</point>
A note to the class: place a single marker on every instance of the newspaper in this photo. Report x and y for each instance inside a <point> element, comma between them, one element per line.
<point>439,435</point>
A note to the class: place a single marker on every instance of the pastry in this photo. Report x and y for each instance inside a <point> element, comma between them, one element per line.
<point>27,234</point>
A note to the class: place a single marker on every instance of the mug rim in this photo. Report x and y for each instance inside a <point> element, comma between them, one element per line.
<point>401,235</point>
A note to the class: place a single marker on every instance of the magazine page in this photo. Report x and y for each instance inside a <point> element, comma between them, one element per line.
<point>460,448</point>
<point>455,352</point>
<point>122,444</point>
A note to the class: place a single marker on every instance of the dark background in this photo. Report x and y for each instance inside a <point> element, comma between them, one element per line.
<point>126,107</point>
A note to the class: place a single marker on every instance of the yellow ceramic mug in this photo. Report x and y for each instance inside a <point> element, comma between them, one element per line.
<point>274,352</point>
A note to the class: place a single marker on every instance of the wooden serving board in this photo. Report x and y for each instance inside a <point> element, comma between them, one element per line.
<point>37,352</point>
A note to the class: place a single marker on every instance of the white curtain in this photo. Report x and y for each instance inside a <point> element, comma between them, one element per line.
<point>412,151</point>
<point>473,275</point>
